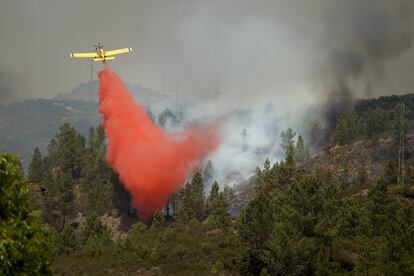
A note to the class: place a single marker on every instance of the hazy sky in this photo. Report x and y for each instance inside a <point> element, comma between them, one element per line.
<point>262,49</point>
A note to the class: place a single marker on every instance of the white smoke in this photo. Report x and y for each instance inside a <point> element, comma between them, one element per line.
<point>249,137</point>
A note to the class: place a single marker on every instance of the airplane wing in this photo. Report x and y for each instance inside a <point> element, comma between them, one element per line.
<point>118,51</point>
<point>103,59</point>
<point>83,55</point>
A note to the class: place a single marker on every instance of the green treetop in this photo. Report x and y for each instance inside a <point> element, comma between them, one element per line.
<point>287,138</point>
<point>36,166</point>
<point>24,243</point>
<point>192,200</point>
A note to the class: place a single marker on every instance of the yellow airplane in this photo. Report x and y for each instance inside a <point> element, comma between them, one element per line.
<point>100,54</point>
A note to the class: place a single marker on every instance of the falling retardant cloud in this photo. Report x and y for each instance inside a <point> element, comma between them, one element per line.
<point>151,163</point>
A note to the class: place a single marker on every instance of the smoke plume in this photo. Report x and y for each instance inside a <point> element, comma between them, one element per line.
<point>7,87</point>
<point>362,38</point>
<point>151,163</point>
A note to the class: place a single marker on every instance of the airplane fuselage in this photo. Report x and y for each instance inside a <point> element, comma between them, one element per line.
<point>100,52</point>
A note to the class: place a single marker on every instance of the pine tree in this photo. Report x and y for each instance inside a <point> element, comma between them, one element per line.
<point>287,138</point>
<point>59,199</point>
<point>91,139</point>
<point>266,164</point>
<point>209,173</point>
<point>214,191</point>
<point>96,235</point>
<point>316,134</point>
<point>52,152</point>
<point>258,171</point>
<point>362,175</point>
<point>290,160</point>
<point>97,182</point>
<point>24,243</point>
<point>388,248</point>
<point>375,122</point>
<point>100,137</point>
<point>307,153</point>
<point>36,166</point>
<point>229,193</point>
<point>391,172</point>
<point>378,204</point>
<point>168,116</point>
<point>157,219</point>
<point>344,176</point>
<point>197,196</point>
<point>300,152</point>
<point>100,196</point>
<point>347,128</point>
<point>34,177</point>
<point>219,209</point>
<point>94,227</point>
<point>151,115</point>
<point>70,150</point>
<point>303,232</point>
<point>254,225</point>
<point>191,203</point>
<point>66,241</point>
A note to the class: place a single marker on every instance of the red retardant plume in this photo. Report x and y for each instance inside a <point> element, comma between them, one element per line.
<point>151,163</point>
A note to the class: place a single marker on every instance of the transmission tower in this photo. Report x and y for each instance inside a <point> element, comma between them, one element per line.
<point>91,70</point>
<point>177,92</point>
<point>164,84</point>
<point>92,73</point>
<point>216,91</point>
<point>179,107</point>
<point>401,150</point>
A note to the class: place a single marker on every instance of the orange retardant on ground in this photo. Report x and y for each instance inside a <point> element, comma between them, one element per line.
<point>151,163</point>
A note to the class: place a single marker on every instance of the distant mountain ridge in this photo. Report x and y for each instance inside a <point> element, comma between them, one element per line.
<point>33,123</point>
<point>157,101</point>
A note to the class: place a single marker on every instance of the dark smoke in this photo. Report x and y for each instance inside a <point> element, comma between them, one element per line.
<point>363,37</point>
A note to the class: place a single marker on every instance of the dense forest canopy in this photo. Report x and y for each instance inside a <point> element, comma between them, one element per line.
<point>296,218</point>
<point>376,118</point>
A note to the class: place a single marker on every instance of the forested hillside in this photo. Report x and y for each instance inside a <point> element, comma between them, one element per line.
<point>299,222</point>
<point>376,118</point>
<point>309,214</point>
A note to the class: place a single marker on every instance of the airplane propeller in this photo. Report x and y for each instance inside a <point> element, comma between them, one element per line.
<point>99,46</point>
